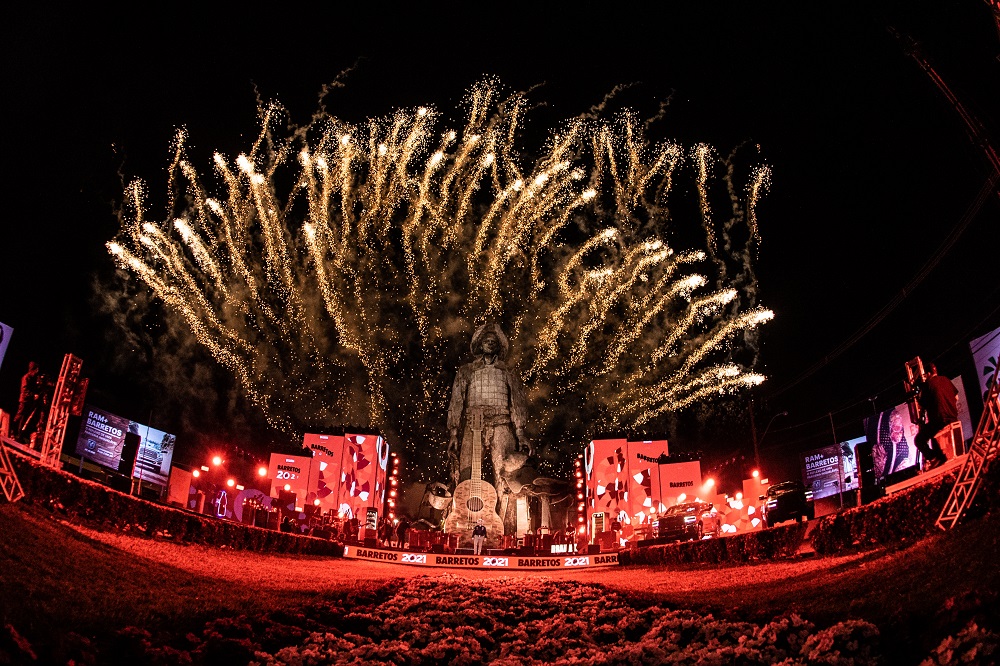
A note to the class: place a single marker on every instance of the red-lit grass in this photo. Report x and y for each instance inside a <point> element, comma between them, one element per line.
<point>60,580</point>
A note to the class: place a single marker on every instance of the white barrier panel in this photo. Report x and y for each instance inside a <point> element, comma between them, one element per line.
<point>575,561</point>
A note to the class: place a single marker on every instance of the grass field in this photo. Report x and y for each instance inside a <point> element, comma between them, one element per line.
<point>72,592</point>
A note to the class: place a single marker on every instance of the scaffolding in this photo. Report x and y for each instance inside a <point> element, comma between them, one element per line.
<point>981,452</point>
<point>8,478</point>
<point>66,399</point>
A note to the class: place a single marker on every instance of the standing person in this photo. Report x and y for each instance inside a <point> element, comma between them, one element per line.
<point>29,400</point>
<point>385,533</point>
<point>939,399</point>
<point>478,537</point>
<point>401,529</point>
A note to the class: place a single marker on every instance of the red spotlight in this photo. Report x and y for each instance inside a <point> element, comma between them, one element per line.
<point>261,471</point>
<point>217,460</point>
<point>230,483</point>
<point>196,473</point>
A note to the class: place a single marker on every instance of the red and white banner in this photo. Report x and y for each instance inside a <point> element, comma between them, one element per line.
<point>551,562</point>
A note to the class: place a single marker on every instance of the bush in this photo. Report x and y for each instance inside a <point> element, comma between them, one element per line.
<point>105,507</point>
<point>772,544</point>
<point>902,517</point>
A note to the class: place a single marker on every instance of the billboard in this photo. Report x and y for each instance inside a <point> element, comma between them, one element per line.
<point>850,460</point>
<point>5,333</point>
<point>822,471</point>
<point>102,435</point>
<point>156,452</point>
<point>985,352</point>
<point>890,434</point>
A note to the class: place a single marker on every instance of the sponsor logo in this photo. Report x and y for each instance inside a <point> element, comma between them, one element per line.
<point>606,559</point>
<point>100,422</point>
<point>289,468</point>
<point>539,562</point>
<point>681,484</point>
<point>321,449</point>
<point>376,555</point>
<point>576,562</point>
<point>818,462</point>
<point>495,562</point>
<point>456,561</point>
<point>414,558</point>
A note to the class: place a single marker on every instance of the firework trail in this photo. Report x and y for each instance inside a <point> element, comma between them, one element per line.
<point>338,270</point>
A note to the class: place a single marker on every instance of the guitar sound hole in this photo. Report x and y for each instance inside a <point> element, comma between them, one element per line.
<point>475,504</point>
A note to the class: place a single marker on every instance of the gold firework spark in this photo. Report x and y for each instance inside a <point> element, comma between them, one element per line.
<point>337,270</point>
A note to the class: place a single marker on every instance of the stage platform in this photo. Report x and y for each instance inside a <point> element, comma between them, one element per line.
<point>492,562</point>
<point>14,445</point>
<point>953,465</point>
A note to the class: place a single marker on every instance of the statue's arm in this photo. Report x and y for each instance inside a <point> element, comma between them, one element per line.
<point>457,405</point>
<point>519,411</point>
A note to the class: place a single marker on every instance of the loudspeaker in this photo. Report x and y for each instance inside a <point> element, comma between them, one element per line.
<point>122,484</point>
<point>902,475</point>
<point>594,549</point>
<point>870,489</point>
<point>130,449</point>
<point>371,542</point>
<point>463,551</point>
<point>437,548</point>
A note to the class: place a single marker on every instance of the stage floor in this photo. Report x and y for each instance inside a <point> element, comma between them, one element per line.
<point>954,464</point>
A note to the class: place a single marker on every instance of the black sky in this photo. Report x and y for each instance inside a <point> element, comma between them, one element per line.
<point>873,168</point>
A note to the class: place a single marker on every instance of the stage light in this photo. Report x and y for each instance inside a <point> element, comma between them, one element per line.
<point>262,471</point>
<point>756,474</point>
<point>739,496</point>
<point>239,487</point>
<point>682,497</point>
<point>316,502</point>
<point>217,460</point>
<point>230,483</point>
<point>196,473</point>
<point>288,487</point>
<point>709,483</point>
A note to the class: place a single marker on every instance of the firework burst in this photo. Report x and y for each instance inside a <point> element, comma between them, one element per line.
<point>338,270</point>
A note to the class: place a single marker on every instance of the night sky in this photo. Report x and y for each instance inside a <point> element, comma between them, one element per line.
<point>873,170</point>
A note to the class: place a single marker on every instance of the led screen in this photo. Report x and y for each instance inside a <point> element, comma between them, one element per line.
<point>5,332</point>
<point>102,435</point>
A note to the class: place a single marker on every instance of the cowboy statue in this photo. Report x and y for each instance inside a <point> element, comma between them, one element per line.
<point>487,444</point>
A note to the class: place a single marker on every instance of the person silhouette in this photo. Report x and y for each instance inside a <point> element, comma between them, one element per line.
<point>478,537</point>
<point>939,398</point>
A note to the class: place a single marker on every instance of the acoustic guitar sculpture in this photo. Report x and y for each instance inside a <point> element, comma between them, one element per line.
<point>475,498</point>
